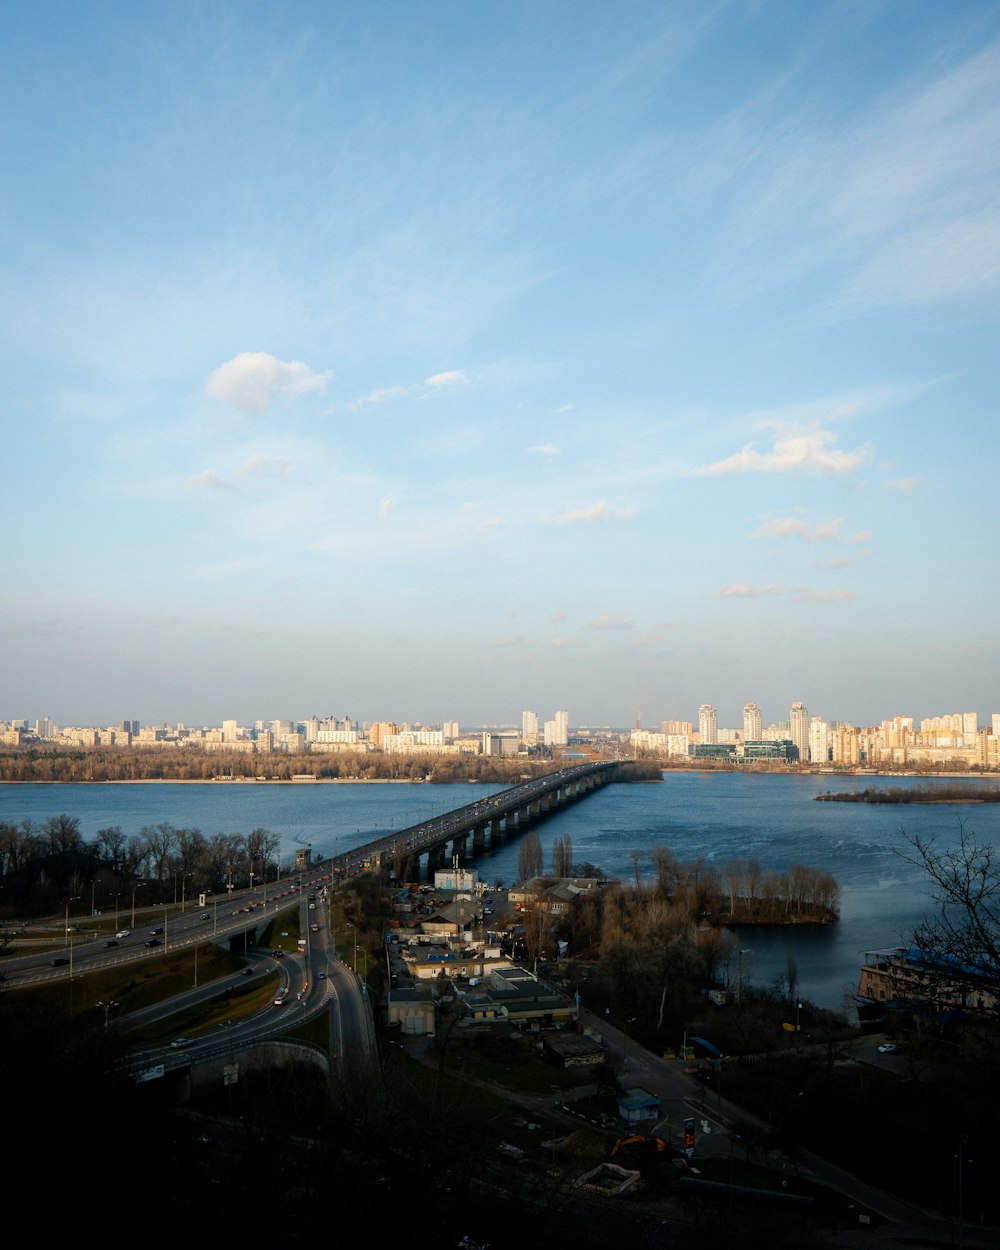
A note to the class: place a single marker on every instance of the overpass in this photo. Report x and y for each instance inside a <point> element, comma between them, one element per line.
<point>478,826</point>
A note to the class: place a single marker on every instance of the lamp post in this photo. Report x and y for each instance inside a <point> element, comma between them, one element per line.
<point>66,940</point>
<point>108,1007</point>
<point>184,890</point>
<point>138,885</point>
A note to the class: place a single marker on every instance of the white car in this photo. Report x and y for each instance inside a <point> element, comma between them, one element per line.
<point>122,933</point>
<point>888,1048</point>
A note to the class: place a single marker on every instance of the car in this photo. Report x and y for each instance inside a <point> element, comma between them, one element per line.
<point>154,932</point>
<point>314,928</point>
<point>888,1048</point>
<point>321,976</point>
<point>58,963</point>
<point>246,972</point>
<point>122,933</point>
<point>205,916</point>
<point>153,942</point>
<point>111,942</point>
<point>312,906</point>
<point>180,1042</point>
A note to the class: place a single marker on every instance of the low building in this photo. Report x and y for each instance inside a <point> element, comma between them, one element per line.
<point>909,973</point>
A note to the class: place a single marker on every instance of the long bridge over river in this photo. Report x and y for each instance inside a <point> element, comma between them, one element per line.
<point>484,824</point>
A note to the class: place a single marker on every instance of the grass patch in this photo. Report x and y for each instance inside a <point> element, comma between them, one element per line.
<point>514,1063</point>
<point>228,1007</point>
<point>135,986</point>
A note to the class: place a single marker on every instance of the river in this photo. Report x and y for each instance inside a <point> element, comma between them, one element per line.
<point>717,816</point>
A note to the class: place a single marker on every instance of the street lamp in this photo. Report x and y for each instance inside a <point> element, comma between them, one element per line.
<point>138,885</point>
<point>108,1007</point>
<point>74,899</point>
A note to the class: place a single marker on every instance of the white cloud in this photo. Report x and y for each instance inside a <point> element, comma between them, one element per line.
<point>545,449</point>
<point>265,466</point>
<point>743,590</point>
<point>565,642</point>
<point>252,381</point>
<point>599,511</point>
<point>564,408</point>
<point>804,595</point>
<point>611,620</point>
<point>793,451</point>
<point>451,377</point>
<point>380,395</point>
<point>902,484</point>
<point>385,507</point>
<point>826,531</point>
<point>838,562</point>
<point>207,480</point>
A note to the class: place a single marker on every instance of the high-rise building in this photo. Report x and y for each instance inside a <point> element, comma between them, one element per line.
<point>752,722</point>
<point>561,737</point>
<point>819,741</point>
<point>708,724</point>
<point>800,729</point>
<point>970,727</point>
<point>529,724</point>
<point>229,731</point>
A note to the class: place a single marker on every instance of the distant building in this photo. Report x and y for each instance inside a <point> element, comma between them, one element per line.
<point>752,722</point>
<point>800,729</point>
<point>708,725</point>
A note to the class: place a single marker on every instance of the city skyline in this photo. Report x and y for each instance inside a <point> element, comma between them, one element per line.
<point>443,359</point>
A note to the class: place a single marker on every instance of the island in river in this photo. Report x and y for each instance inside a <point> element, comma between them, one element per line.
<point>947,793</point>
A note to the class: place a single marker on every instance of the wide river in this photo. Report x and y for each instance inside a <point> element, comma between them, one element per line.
<point>717,816</point>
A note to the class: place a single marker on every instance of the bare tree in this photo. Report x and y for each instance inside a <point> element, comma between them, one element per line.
<point>562,857</point>
<point>529,857</point>
<point>965,888</point>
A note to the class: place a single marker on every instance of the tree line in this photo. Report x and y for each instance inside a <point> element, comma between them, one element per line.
<point>104,764</point>
<point>44,863</point>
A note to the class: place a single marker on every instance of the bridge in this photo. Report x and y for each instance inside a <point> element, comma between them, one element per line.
<point>485,823</point>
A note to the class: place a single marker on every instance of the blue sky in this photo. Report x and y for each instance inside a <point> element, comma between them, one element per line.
<point>438,360</point>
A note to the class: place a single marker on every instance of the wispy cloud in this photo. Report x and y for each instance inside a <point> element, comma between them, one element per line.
<point>509,640</point>
<point>385,507</point>
<point>802,594</point>
<point>564,408</point>
<point>596,512</point>
<point>611,620</point>
<point>260,467</point>
<point>902,484</point>
<point>380,395</point>
<point>565,642</point>
<point>265,466</point>
<point>805,595</point>
<point>557,615</point>
<point>252,381</point>
<point>821,532</point>
<point>793,451</point>
<point>838,562</point>
<point>545,449</point>
<point>743,590</point>
<point>207,480</point>
<point>451,377</point>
